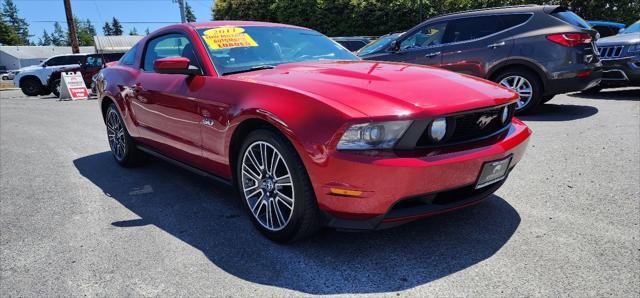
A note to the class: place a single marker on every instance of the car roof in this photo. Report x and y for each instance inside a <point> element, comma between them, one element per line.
<point>213,24</point>
<point>503,9</point>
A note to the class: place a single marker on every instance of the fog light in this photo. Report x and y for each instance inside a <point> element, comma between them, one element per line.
<point>438,129</point>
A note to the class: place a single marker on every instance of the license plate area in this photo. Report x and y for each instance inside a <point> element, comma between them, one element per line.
<point>493,171</point>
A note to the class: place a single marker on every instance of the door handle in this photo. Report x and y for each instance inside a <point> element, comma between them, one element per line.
<point>432,54</point>
<point>496,45</point>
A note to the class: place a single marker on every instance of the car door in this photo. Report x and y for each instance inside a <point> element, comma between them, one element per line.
<point>420,46</point>
<point>165,105</point>
<point>474,44</point>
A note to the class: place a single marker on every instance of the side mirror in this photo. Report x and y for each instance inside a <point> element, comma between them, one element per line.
<point>394,46</point>
<point>175,65</point>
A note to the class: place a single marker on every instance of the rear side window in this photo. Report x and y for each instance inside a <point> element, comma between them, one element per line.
<point>55,61</point>
<point>571,18</point>
<point>512,20</point>
<point>77,59</point>
<point>472,28</point>
<point>130,57</point>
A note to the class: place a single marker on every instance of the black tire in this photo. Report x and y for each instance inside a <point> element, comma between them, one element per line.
<point>592,90</point>
<point>304,219</point>
<point>547,98</point>
<point>31,86</point>
<point>534,81</point>
<point>123,148</point>
<point>55,88</point>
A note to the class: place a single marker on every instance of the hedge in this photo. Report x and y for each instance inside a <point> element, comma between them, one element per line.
<point>377,17</point>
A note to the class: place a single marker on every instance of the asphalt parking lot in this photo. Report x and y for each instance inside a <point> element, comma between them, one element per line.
<point>73,223</point>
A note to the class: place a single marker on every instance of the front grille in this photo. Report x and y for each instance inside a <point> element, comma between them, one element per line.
<point>610,52</point>
<point>470,126</point>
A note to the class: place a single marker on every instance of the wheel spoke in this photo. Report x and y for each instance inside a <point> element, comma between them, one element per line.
<point>246,170</point>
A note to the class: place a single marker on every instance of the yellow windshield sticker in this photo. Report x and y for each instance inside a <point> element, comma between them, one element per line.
<point>228,37</point>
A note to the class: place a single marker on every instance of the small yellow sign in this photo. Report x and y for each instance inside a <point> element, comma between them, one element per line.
<point>228,37</point>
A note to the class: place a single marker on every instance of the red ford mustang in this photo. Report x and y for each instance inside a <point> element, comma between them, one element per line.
<point>308,133</point>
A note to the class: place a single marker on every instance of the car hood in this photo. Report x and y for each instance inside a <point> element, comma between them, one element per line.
<point>29,68</point>
<point>384,88</point>
<point>620,39</point>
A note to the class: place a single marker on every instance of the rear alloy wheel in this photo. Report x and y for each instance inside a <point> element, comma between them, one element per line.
<point>525,84</point>
<point>275,188</point>
<point>31,86</point>
<point>122,146</point>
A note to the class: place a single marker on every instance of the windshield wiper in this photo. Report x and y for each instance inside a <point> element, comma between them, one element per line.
<point>257,67</point>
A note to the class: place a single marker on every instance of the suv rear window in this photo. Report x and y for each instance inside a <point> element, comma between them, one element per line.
<point>571,18</point>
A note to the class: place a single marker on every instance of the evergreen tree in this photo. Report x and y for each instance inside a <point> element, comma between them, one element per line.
<point>107,29</point>
<point>133,31</point>
<point>8,35</point>
<point>18,26</point>
<point>116,27</point>
<point>59,37</point>
<point>189,13</point>
<point>90,28</point>
<point>45,40</point>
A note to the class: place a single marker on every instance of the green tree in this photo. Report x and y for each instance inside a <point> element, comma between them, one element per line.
<point>16,25</point>
<point>85,32</point>
<point>116,27</point>
<point>45,40</point>
<point>8,36</point>
<point>59,37</point>
<point>106,29</point>
<point>189,13</point>
<point>133,31</point>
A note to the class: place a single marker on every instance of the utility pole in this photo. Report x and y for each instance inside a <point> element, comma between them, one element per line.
<point>183,12</point>
<point>72,28</point>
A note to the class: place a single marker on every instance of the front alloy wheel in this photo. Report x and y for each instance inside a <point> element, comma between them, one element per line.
<point>267,186</point>
<point>275,188</point>
<point>520,85</point>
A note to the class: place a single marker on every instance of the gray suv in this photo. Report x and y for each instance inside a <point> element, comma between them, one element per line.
<point>620,55</point>
<point>538,51</point>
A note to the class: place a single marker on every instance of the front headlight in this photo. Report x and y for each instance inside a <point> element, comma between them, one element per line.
<point>634,48</point>
<point>373,135</point>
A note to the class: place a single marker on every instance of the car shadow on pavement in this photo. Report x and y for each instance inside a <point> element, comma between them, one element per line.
<point>208,216</point>
<point>559,112</point>
<point>611,94</point>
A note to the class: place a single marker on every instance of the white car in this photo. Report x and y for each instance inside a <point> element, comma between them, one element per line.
<point>33,79</point>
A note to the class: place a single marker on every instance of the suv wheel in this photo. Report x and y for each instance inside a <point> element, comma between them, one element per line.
<point>122,146</point>
<point>55,88</point>
<point>31,86</point>
<point>526,84</point>
<point>275,188</point>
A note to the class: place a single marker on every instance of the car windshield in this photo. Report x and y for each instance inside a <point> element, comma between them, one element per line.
<point>635,28</point>
<point>378,44</point>
<point>241,49</point>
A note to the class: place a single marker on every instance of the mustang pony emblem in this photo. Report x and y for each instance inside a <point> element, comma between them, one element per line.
<point>485,120</point>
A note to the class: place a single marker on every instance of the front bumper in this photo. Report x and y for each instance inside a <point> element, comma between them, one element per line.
<point>403,187</point>
<point>621,72</point>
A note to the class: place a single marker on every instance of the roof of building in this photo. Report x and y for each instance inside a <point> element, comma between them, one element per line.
<point>40,52</point>
<point>115,44</point>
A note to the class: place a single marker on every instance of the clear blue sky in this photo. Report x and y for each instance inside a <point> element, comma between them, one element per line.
<point>150,14</point>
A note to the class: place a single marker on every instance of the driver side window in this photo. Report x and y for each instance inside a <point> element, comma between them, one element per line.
<point>428,36</point>
<point>170,45</point>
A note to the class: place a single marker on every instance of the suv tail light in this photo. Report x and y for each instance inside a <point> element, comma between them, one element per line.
<point>570,39</point>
